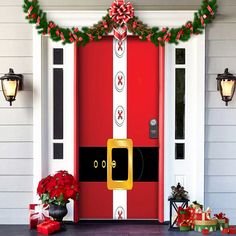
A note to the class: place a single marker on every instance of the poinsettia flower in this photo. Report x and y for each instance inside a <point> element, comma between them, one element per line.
<point>58,188</point>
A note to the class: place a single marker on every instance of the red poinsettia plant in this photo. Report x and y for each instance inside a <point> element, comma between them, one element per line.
<point>58,188</point>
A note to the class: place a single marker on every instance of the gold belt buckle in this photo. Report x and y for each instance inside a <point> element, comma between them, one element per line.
<point>119,184</point>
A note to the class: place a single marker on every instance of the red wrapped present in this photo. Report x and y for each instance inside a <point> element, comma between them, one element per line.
<point>185,226</point>
<point>223,221</point>
<point>192,216</point>
<point>202,215</point>
<point>225,231</point>
<point>48,227</point>
<point>205,231</point>
<point>232,230</point>
<point>38,213</point>
<point>183,215</point>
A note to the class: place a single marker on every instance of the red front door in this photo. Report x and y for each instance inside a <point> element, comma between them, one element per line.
<point>95,96</point>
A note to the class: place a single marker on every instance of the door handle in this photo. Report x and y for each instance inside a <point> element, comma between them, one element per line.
<point>153,129</point>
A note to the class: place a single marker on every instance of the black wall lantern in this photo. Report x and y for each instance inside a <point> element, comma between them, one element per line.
<point>11,83</point>
<point>226,84</point>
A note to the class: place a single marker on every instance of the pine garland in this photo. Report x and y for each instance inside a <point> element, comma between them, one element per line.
<point>202,17</point>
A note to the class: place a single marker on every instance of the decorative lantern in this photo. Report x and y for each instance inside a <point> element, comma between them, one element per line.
<point>226,84</point>
<point>11,83</point>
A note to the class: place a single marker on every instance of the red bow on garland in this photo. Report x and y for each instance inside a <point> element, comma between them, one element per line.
<point>121,12</point>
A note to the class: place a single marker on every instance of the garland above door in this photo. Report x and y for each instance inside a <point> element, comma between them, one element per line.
<point>120,18</point>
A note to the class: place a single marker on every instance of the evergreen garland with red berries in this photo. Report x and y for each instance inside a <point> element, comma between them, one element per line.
<point>202,17</point>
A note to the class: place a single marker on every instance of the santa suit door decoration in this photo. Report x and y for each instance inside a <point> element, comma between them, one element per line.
<point>118,99</point>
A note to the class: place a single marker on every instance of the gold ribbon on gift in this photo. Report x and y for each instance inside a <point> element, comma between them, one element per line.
<point>206,222</point>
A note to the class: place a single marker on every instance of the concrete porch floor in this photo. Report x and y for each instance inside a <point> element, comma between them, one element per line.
<point>100,229</point>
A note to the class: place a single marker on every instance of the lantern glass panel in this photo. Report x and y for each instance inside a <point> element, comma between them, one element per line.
<point>10,87</point>
<point>227,87</point>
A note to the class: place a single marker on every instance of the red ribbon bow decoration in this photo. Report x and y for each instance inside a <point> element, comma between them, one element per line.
<point>121,12</point>
<point>40,213</point>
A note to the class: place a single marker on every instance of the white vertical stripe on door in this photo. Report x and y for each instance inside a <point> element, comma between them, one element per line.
<point>119,115</point>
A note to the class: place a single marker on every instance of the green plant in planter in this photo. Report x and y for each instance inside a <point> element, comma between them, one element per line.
<point>178,192</point>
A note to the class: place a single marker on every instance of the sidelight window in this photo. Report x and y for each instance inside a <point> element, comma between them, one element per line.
<point>57,99</point>
<point>180,75</point>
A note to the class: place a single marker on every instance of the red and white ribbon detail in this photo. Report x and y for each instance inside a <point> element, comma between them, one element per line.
<point>203,17</point>
<point>121,12</point>
<point>38,21</point>
<point>40,212</point>
<point>51,25</point>
<point>30,10</point>
<point>210,10</point>
<point>120,33</point>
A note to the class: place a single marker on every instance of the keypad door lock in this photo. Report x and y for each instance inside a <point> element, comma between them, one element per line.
<point>153,129</point>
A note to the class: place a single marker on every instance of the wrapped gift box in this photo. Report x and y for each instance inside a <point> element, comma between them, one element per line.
<point>230,230</point>
<point>223,221</point>
<point>48,227</point>
<point>185,226</point>
<point>183,215</point>
<point>211,225</point>
<point>38,213</point>
<point>205,231</point>
<point>202,215</point>
<point>192,216</point>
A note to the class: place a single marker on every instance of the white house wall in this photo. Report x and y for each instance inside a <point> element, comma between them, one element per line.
<point>16,142</point>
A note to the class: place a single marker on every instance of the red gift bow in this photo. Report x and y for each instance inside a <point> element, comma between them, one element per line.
<point>121,12</point>
<point>222,216</point>
<point>40,213</point>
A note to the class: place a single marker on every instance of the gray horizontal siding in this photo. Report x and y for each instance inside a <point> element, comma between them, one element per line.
<point>221,117</point>
<point>221,48</point>
<point>220,167</point>
<point>14,216</point>
<point>16,122</point>
<point>220,148</point>
<point>16,183</point>
<point>17,31</point>
<point>18,200</point>
<point>221,133</point>
<point>19,48</point>
<point>20,64</point>
<point>24,116</point>
<point>24,100</point>
<point>220,184</point>
<point>16,167</point>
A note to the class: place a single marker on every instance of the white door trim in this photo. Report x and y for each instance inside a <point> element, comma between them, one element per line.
<point>83,18</point>
<point>177,170</point>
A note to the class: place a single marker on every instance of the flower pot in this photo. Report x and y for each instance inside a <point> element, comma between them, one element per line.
<point>57,212</point>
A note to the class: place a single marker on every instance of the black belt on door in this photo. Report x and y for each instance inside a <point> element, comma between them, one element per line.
<point>93,164</point>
